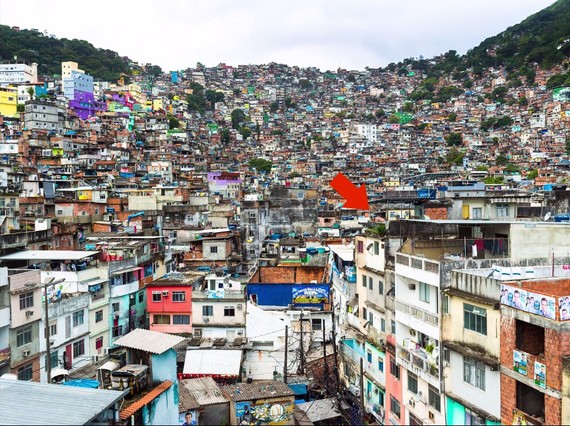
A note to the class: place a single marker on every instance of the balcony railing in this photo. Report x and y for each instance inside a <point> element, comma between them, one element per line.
<point>415,362</point>
<point>417,313</point>
<point>350,353</point>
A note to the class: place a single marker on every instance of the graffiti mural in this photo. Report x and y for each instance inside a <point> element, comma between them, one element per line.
<point>268,413</point>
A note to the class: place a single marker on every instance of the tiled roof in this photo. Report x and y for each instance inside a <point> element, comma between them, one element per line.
<point>145,400</point>
<point>149,341</point>
<point>199,392</point>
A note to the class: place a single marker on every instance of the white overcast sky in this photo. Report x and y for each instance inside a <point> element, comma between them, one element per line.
<point>353,34</point>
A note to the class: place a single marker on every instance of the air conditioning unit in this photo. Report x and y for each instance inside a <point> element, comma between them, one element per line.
<point>165,293</point>
<point>412,332</point>
<point>29,313</point>
<point>240,333</point>
<point>95,358</point>
<point>412,403</point>
<point>412,286</point>
<point>239,307</point>
<point>431,415</point>
<point>206,320</point>
<point>26,353</point>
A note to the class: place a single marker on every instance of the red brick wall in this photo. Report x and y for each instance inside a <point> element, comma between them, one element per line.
<point>436,212</point>
<point>556,345</point>
<point>288,274</point>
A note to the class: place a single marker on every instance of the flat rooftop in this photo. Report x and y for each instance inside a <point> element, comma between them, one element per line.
<point>49,255</point>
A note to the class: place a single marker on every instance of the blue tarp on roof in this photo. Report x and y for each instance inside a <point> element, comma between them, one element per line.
<point>83,383</point>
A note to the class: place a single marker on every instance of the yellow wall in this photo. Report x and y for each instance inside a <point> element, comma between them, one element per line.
<point>8,102</point>
<point>157,104</point>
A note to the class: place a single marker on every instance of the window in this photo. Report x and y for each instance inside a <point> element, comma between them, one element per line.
<point>78,348</point>
<point>369,356</point>
<point>117,331</point>
<point>364,314</point>
<point>370,283</point>
<point>78,318</point>
<point>316,324</point>
<point>229,311</point>
<point>502,210</point>
<point>25,372</point>
<point>141,296</point>
<point>53,329</point>
<point>424,292</point>
<point>382,325</point>
<point>99,343</point>
<point>99,316</point>
<point>376,248</point>
<point>181,319</point>
<point>380,287</point>
<point>412,382</point>
<point>475,318</point>
<point>24,336</point>
<point>394,368</point>
<point>364,278</point>
<point>393,328</point>
<point>445,304</point>
<point>472,418</point>
<point>178,296</point>
<point>529,337</point>
<point>477,212</point>
<point>207,311</point>
<point>474,373</point>
<point>27,300</point>
<point>156,296</point>
<point>394,406</point>
<point>433,398</point>
<point>161,319</point>
<point>371,319</point>
<point>214,250</point>
<point>380,364</point>
<point>53,360</point>
<point>359,245</point>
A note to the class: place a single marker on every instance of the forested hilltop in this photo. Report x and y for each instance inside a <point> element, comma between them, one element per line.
<point>49,52</point>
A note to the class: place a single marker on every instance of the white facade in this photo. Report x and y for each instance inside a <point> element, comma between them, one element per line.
<point>18,73</point>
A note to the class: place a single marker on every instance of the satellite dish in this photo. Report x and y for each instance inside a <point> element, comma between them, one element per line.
<point>547,216</point>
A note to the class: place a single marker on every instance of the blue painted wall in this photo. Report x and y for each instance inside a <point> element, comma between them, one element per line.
<point>164,366</point>
<point>278,294</point>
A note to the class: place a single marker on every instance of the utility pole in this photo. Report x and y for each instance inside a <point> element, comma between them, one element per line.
<point>48,348</point>
<point>302,349</point>
<point>335,368</point>
<point>286,350</point>
<point>361,392</point>
<point>325,366</point>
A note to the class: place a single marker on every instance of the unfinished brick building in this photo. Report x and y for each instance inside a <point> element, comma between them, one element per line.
<point>535,352</point>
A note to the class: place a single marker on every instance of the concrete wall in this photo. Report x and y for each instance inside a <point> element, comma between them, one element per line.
<point>539,241</point>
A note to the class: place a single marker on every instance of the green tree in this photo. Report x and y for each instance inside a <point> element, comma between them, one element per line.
<point>260,164</point>
<point>501,160</point>
<point>408,107</point>
<point>213,96</point>
<point>173,122</point>
<point>454,139</point>
<point>393,119</point>
<point>512,169</point>
<point>225,136</point>
<point>274,106</point>
<point>20,108</point>
<point>380,113</point>
<point>238,117</point>
<point>452,117</point>
<point>532,175</point>
<point>245,132</point>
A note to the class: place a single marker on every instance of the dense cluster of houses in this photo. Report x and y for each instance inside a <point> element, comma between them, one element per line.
<point>144,253</point>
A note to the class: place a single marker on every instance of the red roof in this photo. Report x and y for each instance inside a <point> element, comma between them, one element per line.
<point>145,400</point>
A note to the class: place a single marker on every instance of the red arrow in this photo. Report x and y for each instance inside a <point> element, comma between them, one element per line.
<point>356,198</point>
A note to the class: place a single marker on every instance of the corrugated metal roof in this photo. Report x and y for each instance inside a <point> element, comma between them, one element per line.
<point>257,390</point>
<point>199,392</point>
<point>320,409</point>
<point>47,404</point>
<point>213,361</point>
<point>149,341</point>
<point>145,400</point>
<point>49,255</point>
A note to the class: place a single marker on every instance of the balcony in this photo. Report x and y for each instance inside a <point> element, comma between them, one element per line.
<point>417,313</point>
<point>351,350</point>
<point>121,290</point>
<point>418,268</point>
<point>4,357</point>
<point>4,317</point>
<point>417,361</point>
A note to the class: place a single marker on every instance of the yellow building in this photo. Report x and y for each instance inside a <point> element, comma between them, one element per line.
<point>157,104</point>
<point>136,92</point>
<point>68,67</point>
<point>8,101</point>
